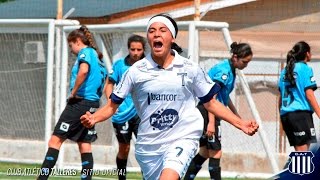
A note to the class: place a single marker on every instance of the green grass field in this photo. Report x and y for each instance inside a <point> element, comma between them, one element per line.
<point>29,171</point>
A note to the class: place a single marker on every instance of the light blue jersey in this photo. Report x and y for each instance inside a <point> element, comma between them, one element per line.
<point>223,73</point>
<point>126,110</point>
<point>92,87</point>
<point>294,97</point>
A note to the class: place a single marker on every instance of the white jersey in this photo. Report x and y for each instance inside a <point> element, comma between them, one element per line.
<point>165,100</point>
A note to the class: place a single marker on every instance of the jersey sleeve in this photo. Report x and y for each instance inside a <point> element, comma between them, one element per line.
<point>204,88</point>
<point>123,88</point>
<point>307,79</point>
<point>219,76</point>
<point>85,57</point>
<point>114,75</point>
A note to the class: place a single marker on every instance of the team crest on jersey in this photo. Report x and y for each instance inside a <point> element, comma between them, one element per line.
<point>82,56</point>
<point>187,62</point>
<point>224,77</point>
<point>312,79</point>
<point>164,119</point>
<point>301,163</point>
<point>142,66</point>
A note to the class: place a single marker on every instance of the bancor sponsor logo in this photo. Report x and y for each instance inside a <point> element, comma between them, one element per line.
<point>161,97</point>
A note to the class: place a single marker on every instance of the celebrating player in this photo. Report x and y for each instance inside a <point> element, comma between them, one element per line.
<point>86,85</point>
<point>164,88</point>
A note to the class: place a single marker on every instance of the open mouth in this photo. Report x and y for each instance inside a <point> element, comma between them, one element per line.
<point>157,44</point>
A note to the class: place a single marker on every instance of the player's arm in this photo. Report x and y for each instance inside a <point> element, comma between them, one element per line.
<point>279,102</point>
<point>81,77</point>
<point>211,124</point>
<point>218,109</point>
<point>233,108</point>
<point>205,90</point>
<point>313,102</point>
<point>108,88</point>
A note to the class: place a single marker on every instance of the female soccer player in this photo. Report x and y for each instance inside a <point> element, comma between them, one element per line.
<point>86,85</point>
<point>297,101</point>
<point>125,121</point>
<point>164,87</point>
<point>223,74</point>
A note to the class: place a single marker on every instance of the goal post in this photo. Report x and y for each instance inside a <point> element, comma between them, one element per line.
<point>28,67</point>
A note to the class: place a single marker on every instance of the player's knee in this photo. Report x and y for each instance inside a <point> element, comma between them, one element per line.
<point>216,154</point>
<point>84,147</point>
<point>124,150</point>
<point>55,142</point>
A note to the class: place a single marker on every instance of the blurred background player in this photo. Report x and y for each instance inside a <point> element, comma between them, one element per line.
<point>223,74</point>
<point>86,87</point>
<point>125,121</point>
<point>297,101</point>
<point>164,87</point>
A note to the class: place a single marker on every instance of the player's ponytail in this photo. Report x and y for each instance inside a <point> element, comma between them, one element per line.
<point>88,40</point>
<point>291,60</point>
<point>296,54</point>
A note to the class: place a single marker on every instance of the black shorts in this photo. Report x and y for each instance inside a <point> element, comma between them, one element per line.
<point>299,127</point>
<point>124,130</point>
<point>69,125</point>
<point>213,143</point>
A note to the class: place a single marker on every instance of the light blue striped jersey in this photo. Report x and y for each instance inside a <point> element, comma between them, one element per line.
<point>92,87</point>
<point>293,97</point>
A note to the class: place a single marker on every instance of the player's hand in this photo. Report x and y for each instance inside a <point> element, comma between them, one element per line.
<point>87,120</point>
<point>250,127</point>
<point>210,130</point>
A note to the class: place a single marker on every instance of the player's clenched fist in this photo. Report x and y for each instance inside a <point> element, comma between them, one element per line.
<point>87,120</point>
<point>249,127</point>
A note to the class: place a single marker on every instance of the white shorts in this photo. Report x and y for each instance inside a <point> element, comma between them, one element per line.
<point>176,157</point>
